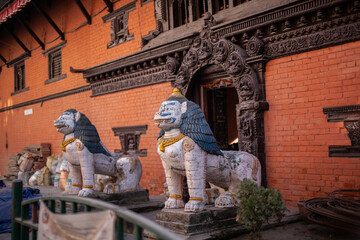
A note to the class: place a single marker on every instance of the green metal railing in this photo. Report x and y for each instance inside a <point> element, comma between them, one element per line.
<point>22,224</point>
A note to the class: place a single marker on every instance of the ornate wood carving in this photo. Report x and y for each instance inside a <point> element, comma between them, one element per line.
<point>208,49</point>
<point>130,139</point>
<point>295,28</point>
<point>311,40</point>
<point>118,81</point>
<point>350,115</point>
<point>299,27</point>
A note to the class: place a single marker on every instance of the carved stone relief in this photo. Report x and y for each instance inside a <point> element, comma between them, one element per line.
<point>246,87</point>
<point>172,65</point>
<point>254,47</point>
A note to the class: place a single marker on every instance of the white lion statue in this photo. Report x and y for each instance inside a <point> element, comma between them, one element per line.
<point>87,156</point>
<point>187,147</point>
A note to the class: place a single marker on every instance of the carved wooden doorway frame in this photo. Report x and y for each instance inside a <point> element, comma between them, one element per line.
<point>207,49</point>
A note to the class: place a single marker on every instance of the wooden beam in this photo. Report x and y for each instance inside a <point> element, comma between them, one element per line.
<point>52,23</point>
<point>31,32</point>
<point>22,45</point>
<point>4,60</point>
<point>76,70</point>
<point>109,4</point>
<point>84,12</point>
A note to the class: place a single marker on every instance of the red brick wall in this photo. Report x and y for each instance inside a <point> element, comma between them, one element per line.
<point>296,129</point>
<point>84,48</point>
<point>126,108</point>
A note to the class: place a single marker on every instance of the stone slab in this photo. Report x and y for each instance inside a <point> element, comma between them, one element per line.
<point>213,223</point>
<point>123,198</point>
<point>190,223</point>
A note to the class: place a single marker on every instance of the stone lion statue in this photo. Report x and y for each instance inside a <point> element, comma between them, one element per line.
<point>87,156</point>
<point>187,147</point>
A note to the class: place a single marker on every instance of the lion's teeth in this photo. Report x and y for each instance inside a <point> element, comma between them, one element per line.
<point>163,120</point>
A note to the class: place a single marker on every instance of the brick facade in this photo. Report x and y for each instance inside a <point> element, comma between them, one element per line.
<point>84,48</point>
<point>296,129</point>
<point>105,112</point>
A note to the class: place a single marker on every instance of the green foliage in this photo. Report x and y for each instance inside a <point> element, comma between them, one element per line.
<point>257,205</point>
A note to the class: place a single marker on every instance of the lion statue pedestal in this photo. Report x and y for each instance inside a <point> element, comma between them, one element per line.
<point>187,147</point>
<point>87,156</point>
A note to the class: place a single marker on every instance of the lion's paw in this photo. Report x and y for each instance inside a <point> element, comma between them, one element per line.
<point>174,203</point>
<point>225,200</point>
<point>194,206</point>
<point>86,192</point>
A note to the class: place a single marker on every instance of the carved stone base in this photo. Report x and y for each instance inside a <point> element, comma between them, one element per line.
<point>123,198</point>
<point>190,223</point>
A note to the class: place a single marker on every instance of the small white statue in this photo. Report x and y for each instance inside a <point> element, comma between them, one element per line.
<point>187,147</point>
<point>87,155</point>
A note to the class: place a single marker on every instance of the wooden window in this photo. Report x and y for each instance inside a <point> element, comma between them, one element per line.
<point>19,76</point>
<point>171,14</point>
<point>119,24</point>
<point>19,73</point>
<point>130,139</point>
<point>119,27</point>
<point>184,11</point>
<point>55,64</point>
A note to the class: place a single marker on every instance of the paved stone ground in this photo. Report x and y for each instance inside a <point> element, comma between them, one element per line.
<point>299,230</point>
<point>303,231</point>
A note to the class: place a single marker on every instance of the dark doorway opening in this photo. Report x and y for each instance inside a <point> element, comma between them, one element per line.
<point>213,90</point>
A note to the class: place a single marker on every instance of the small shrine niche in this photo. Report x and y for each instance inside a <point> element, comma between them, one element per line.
<point>350,115</point>
<point>130,139</point>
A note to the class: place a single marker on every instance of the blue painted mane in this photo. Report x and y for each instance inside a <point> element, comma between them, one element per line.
<point>193,124</point>
<point>87,134</point>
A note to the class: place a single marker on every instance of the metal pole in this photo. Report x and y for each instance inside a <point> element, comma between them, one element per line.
<point>16,192</point>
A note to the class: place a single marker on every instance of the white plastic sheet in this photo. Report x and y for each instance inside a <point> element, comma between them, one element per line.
<point>92,225</point>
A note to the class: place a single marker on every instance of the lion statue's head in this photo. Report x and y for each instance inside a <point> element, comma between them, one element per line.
<point>72,121</point>
<point>179,112</point>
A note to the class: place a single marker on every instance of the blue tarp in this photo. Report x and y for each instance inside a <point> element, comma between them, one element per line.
<point>5,205</point>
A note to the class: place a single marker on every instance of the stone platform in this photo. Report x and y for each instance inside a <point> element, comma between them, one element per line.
<point>123,198</point>
<point>213,223</point>
<point>190,223</point>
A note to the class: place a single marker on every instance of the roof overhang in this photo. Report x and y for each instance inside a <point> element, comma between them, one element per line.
<point>12,9</point>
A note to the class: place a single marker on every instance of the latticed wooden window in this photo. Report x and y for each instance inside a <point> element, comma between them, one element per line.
<point>119,31</point>
<point>55,64</point>
<point>185,11</point>
<point>119,26</point>
<point>19,76</point>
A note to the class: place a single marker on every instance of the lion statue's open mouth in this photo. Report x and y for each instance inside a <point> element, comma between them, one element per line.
<point>59,126</point>
<point>163,121</point>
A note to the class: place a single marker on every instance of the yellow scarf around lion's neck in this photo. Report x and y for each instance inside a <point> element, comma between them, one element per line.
<point>167,142</point>
<point>67,142</point>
